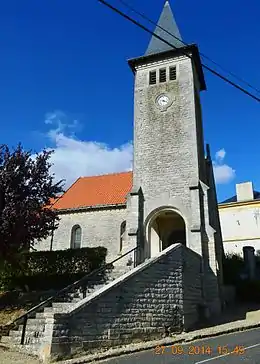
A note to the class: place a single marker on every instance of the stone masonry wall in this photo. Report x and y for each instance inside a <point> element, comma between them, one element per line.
<point>99,228</point>
<point>192,287</point>
<point>139,306</point>
<point>165,142</point>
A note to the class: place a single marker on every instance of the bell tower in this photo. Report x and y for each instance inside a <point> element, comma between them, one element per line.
<point>169,164</point>
<point>168,137</point>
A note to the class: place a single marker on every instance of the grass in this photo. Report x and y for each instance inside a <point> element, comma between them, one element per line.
<point>13,304</point>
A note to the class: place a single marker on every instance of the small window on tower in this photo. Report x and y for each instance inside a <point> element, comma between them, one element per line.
<point>172,73</point>
<point>163,75</point>
<point>152,78</point>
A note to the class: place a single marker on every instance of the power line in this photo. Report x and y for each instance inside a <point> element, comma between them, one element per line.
<point>181,50</point>
<point>186,44</point>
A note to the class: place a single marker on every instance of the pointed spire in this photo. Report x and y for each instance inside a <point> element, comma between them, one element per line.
<point>168,23</point>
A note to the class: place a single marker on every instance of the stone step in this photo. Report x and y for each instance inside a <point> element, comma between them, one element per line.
<point>48,310</point>
<point>33,322</point>
<point>68,297</point>
<point>42,315</point>
<point>36,321</point>
<point>60,326</point>
<point>77,297</point>
<point>33,326</point>
<point>15,333</point>
<point>31,340</point>
<point>61,305</point>
<point>29,333</point>
<point>60,332</point>
<point>61,339</point>
<point>11,340</point>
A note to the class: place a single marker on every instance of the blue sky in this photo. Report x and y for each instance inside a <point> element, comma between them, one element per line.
<point>65,82</point>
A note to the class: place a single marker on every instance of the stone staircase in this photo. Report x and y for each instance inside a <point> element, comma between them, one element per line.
<point>135,301</point>
<point>30,336</point>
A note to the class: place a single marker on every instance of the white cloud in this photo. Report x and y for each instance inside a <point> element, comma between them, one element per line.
<point>220,155</point>
<point>223,173</point>
<point>61,123</point>
<point>73,158</point>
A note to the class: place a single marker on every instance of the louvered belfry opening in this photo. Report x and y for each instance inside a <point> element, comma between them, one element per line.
<point>152,78</point>
<point>162,75</point>
<point>173,73</point>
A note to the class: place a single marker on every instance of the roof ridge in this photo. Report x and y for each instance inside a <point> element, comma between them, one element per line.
<point>108,189</point>
<point>107,174</point>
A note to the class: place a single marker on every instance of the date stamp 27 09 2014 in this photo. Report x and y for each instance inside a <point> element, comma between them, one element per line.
<point>199,350</point>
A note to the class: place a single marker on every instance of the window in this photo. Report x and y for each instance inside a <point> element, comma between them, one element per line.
<point>122,235</point>
<point>152,78</point>
<point>75,237</point>
<point>172,73</point>
<point>163,75</point>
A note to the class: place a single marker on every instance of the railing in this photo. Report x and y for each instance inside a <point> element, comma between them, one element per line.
<point>73,286</point>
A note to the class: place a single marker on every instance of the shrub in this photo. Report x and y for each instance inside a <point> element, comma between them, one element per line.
<point>43,270</point>
<point>248,291</point>
<point>232,267</point>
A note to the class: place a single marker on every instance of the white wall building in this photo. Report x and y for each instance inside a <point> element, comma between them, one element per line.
<point>240,219</point>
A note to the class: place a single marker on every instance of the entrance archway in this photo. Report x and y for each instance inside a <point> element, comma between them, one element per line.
<point>165,228</point>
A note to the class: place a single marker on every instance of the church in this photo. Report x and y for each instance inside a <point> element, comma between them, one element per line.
<point>170,195</point>
<point>160,222</point>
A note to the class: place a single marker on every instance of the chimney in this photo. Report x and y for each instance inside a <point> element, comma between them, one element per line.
<point>244,191</point>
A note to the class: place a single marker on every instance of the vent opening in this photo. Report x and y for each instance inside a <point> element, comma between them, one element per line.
<point>172,73</point>
<point>152,78</point>
<point>163,75</point>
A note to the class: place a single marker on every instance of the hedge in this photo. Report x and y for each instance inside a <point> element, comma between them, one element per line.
<point>43,270</point>
<point>246,290</point>
<point>232,267</point>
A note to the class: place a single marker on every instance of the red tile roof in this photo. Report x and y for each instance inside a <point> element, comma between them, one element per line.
<point>110,189</point>
<point>51,202</point>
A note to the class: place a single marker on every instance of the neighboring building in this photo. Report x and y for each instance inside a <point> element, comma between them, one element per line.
<point>240,219</point>
<point>170,196</point>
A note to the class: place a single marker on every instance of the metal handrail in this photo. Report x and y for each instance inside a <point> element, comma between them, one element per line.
<point>66,289</point>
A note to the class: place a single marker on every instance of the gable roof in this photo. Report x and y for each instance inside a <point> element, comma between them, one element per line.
<point>104,190</point>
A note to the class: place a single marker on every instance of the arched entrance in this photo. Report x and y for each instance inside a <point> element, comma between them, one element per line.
<point>165,228</point>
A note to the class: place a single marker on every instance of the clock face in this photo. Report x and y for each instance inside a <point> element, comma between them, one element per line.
<point>163,100</point>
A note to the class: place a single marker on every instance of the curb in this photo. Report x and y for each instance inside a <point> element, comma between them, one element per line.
<point>182,338</point>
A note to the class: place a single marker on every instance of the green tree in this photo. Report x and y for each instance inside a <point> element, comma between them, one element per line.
<point>26,187</point>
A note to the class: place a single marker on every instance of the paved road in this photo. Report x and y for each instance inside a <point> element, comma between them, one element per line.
<point>246,345</point>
